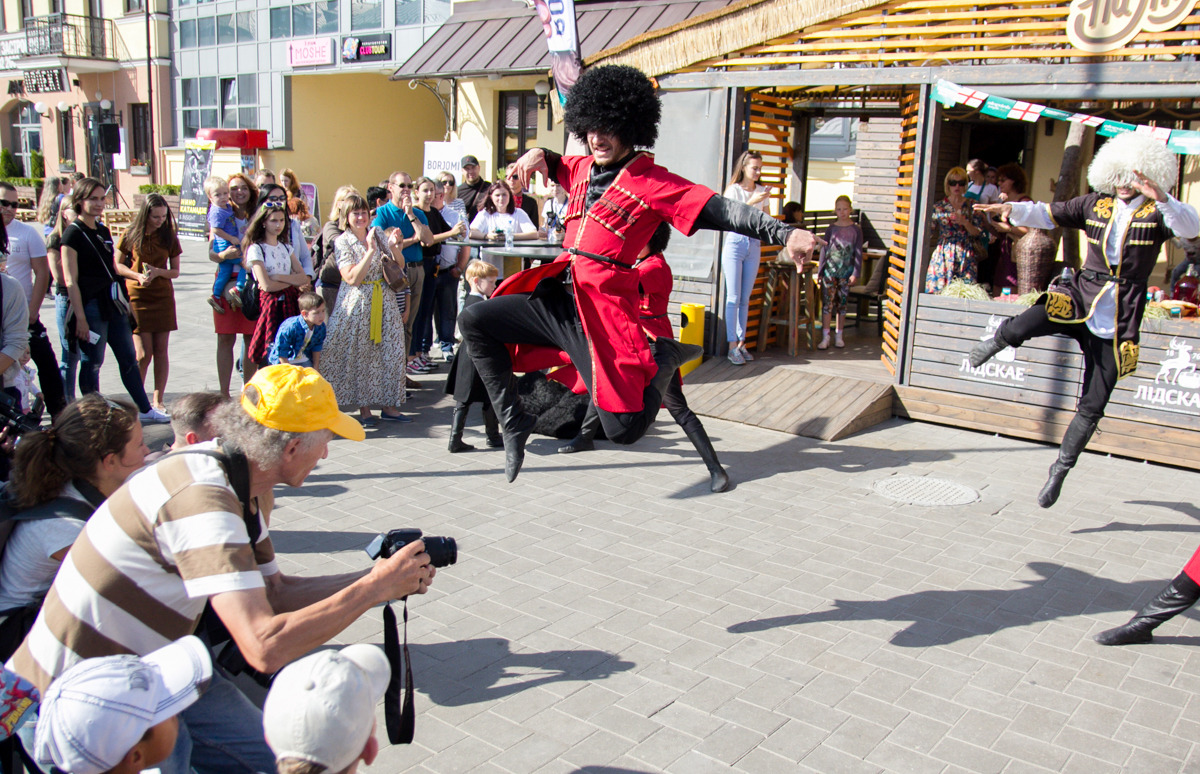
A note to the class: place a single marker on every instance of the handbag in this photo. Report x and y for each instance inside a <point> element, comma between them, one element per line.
<point>251,297</point>
<point>393,271</point>
<point>116,291</point>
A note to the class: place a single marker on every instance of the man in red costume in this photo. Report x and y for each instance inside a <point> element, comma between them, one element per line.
<point>585,304</point>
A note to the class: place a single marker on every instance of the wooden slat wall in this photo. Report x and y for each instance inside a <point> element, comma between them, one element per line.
<point>1033,395</point>
<point>893,288</point>
<point>876,165</point>
<point>769,132</point>
<point>914,32</point>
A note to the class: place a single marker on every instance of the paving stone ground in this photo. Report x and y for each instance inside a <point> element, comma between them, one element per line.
<point>609,614</point>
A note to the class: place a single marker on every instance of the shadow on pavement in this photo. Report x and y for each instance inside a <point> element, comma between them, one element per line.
<point>943,617</point>
<point>1187,509</point>
<point>306,541</point>
<point>486,669</point>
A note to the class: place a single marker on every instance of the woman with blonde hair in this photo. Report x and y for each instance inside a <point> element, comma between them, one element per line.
<point>48,205</point>
<point>324,255</point>
<point>740,255</point>
<point>364,355</point>
<point>958,227</point>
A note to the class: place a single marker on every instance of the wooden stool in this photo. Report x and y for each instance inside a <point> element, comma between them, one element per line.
<point>793,285</point>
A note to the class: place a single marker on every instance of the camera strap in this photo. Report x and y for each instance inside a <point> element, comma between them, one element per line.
<point>400,721</point>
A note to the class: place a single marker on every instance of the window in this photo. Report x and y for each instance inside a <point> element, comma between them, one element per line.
<point>366,14</point>
<point>408,12</point>
<point>226,31</point>
<point>66,136</point>
<point>518,124</point>
<point>437,11</point>
<point>187,33</point>
<point>210,103</point>
<point>26,12</point>
<point>281,22</point>
<point>302,20</point>
<point>199,97</point>
<point>833,138</point>
<point>206,31</point>
<point>135,6</point>
<point>247,90</point>
<point>327,17</point>
<point>140,118</point>
<point>247,21</point>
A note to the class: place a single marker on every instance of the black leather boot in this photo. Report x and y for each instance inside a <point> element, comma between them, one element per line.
<point>492,428</point>
<point>585,439</point>
<point>1179,595</point>
<point>669,355</point>
<point>1078,433</point>
<point>457,422</point>
<point>986,349</point>
<point>515,424</point>
<point>699,439</point>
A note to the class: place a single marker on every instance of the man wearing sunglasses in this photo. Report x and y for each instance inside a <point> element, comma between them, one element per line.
<point>399,213</point>
<point>27,264</point>
<point>520,200</point>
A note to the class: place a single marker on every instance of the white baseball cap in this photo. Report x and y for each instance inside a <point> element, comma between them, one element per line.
<point>99,709</point>
<point>321,708</point>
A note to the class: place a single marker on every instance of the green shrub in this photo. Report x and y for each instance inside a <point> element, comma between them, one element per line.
<point>37,164</point>
<point>166,189</point>
<point>9,166</point>
<point>32,182</point>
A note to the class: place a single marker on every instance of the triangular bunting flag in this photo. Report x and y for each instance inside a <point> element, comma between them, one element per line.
<point>1113,128</point>
<point>1184,141</point>
<point>998,106</point>
<point>1085,119</point>
<point>1157,132</point>
<point>1026,111</point>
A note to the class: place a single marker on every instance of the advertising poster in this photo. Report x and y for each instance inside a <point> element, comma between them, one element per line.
<point>193,204</point>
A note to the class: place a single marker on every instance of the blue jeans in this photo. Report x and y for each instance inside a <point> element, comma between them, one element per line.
<point>221,732</point>
<point>225,270</point>
<point>739,264</point>
<point>118,336</point>
<point>69,360</point>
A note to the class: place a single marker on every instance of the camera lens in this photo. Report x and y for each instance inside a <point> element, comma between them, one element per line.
<point>442,551</point>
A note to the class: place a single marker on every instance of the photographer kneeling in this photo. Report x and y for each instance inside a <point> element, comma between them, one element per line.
<point>59,478</point>
<point>181,533</point>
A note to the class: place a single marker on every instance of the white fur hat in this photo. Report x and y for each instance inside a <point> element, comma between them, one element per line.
<point>1115,162</point>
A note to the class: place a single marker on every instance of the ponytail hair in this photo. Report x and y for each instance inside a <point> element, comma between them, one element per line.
<point>84,433</point>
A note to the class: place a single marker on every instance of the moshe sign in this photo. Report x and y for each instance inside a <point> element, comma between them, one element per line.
<point>1097,26</point>
<point>309,52</point>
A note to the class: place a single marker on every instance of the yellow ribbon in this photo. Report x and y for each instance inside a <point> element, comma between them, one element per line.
<point>376,330</point>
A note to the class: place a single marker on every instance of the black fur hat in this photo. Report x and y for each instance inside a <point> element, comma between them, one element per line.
<point>616,99</point>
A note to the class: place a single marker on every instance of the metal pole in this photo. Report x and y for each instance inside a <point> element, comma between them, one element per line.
<point>150,99</point>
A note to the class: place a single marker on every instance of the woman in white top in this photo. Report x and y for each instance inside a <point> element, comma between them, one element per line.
<point>554,211</point>
<point>499,213</point>
<point>740,255</point>
<point>64,473</point>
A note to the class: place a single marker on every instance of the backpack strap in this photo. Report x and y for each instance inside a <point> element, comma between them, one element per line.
<point>237,468</point>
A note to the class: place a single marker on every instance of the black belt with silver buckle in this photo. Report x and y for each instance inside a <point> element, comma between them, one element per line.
<point>653,316</point>
<point>601,258</point>
<point>1099,276</point>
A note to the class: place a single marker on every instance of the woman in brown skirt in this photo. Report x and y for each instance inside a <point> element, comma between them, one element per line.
<point>147,256</point>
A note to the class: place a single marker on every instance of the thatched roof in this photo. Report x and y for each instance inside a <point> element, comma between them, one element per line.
<point>742,24</point>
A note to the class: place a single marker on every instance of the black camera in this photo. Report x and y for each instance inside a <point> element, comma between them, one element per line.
<point>442,551</point>
<point>16,422</point>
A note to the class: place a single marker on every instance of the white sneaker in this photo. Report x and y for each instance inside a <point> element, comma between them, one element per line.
<point>838,341</point>
<point>824,344</point>
<point>746,354</point>
<point>735,356</point>
<point>154,417</point>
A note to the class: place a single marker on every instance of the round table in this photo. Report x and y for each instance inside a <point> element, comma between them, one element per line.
<point>511,260</point>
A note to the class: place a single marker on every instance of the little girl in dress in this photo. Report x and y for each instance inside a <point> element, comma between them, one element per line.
<point>839,269</point>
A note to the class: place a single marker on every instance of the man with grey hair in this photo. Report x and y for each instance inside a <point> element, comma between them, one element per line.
<point>400,213</point>
<point>182,533</point>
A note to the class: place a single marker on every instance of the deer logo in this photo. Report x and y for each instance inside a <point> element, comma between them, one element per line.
<point>1178,368</point>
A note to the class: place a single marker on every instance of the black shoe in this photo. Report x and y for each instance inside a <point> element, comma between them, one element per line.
<point>495,443</point>
<point>514,446</point>
<point>1049,494</point>
<point>986,350</point>
<point>718,478</point>
<point>577,444</point>
<point>457,445</point>
<point>1079,432</point>
<point>1179,595</point>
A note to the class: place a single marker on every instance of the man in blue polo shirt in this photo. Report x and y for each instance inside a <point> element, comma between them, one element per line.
<point>400,213</point>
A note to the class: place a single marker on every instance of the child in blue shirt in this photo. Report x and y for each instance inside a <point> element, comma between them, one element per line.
<point>299,339</point>
<point>223,231</point>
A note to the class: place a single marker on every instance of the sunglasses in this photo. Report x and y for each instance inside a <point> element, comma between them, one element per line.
<point>954,183</point>
<point>447,182</point>
<point>274,204</point>
<point>7,203</point>
<point>113,408</point>
<point>403,185</point>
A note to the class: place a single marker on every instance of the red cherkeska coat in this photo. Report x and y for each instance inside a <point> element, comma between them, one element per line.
<point>617,226</point>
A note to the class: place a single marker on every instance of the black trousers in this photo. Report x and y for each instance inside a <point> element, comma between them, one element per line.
<point>1099,360</point>
<point>675,404</point>
<point>546,317</point>
<point>49,377</point>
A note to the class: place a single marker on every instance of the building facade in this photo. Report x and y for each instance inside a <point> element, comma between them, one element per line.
<point>85,83</point>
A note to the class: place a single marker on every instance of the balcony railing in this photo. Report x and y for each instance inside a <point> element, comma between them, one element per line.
<point>65,34</point>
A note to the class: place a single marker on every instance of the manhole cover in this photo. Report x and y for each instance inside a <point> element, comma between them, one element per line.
<point>922,490</point>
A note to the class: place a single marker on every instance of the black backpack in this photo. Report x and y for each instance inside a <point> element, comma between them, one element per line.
<point>251,297</point>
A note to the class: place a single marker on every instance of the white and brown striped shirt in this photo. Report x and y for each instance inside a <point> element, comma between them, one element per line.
<point>138,576</point>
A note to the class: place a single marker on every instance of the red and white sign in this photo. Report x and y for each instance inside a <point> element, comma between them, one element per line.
<point>311,51</point>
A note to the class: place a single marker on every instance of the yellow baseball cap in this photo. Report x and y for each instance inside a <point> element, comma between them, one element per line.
<point>296,400</point>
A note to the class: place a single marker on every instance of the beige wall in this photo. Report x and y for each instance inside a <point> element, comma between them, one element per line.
<point>335,144</point>
<point>479,113</point>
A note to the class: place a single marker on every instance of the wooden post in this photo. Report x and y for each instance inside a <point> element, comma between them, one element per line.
<point>923,195</point>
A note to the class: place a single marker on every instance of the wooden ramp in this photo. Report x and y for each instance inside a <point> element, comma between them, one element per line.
<point>789,397</point>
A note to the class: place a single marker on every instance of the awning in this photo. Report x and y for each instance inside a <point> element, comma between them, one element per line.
<point>500,37</point>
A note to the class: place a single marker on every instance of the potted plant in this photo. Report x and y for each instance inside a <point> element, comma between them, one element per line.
<point>140,167</point>
<point>66,166</point>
